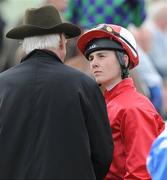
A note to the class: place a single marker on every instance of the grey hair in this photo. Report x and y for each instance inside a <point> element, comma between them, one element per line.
<point>40,42</point>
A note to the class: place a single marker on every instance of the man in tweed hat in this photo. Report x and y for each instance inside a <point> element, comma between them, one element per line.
<point>53,120</point>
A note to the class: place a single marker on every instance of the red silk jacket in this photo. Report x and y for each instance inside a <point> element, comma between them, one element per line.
<point>135,124</point>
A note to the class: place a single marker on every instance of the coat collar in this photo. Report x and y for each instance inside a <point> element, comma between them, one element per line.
<point>51,56</point>
<point>121,87</point>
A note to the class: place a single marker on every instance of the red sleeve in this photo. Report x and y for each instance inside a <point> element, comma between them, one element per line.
<point>139,129</point>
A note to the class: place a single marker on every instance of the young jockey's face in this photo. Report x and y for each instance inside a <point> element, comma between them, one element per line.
<point>105,67</point>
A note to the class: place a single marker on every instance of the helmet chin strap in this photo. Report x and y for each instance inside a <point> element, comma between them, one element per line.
<point>124,68</point>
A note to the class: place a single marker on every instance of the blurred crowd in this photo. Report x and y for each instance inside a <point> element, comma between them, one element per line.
<point>147,20</point>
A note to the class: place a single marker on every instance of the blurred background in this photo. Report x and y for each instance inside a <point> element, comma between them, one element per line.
<point>146,19</point>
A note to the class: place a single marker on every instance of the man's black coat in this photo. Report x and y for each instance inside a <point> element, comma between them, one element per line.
<point>53,122</point>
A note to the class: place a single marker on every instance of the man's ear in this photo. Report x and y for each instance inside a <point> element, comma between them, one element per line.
<point>61,44</point>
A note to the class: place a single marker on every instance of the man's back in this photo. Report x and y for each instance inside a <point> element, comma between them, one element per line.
<point>43,111</point>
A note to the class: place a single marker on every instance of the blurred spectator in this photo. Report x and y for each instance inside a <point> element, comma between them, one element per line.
<point>146,70</point>
<point>157,159</point>
<point>157,25</point>
<point>151,77</point>
<point>88,13</point>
